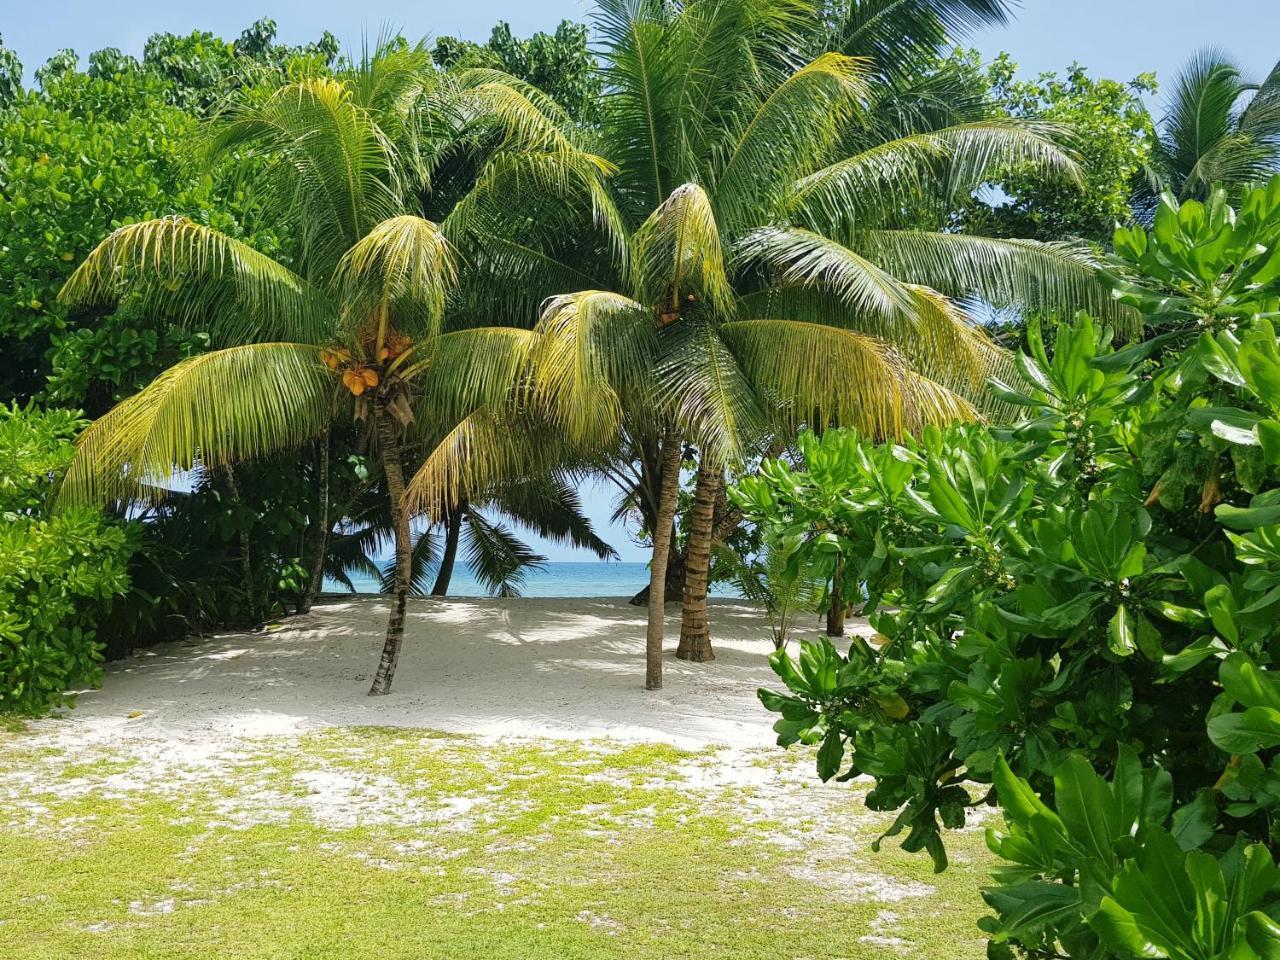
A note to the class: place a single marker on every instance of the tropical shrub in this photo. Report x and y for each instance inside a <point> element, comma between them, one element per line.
<point>58,573</point>
<point>1075,612</point>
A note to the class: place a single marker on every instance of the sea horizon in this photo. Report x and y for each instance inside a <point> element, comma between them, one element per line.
<point>590,578</point>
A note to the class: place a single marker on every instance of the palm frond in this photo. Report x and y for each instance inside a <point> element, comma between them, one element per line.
<point>592,346</point>
<point>199,278</point>
<point>329,163</point>
<point>565,189</point>
<point>817,375</point>
<point>399,273</point>
<point>901,35</point>
<point>697,376</point>
<point>424,561</point>
<point>796,124</point>
<point>1026,274</point>
<point>496,557</point>
<point>481,452</point>
<point>460,372</point>
<point>937,337</point>
<point>211,410</point>
<point>801,258</point>
<point>949,163</point>
<point>550,506</point>
<point>679,254</point>
<point>642,71</point>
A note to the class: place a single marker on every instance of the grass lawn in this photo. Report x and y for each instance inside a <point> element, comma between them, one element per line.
<point>394,843</point>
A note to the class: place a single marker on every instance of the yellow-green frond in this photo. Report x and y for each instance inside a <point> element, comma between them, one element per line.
<point>480,452</point>
<point>949,163</point>
<point>801,258</point>
<point>815,374</point>
<point>790,132</point>
<point>592,346</point>
<point>1027,274</point>
<point>403,269</point>
<point>457,373</point>
<point>678,254</point>
<point>197,277</point>
<point>705,392</point>
<point>214,409</point>
<point>527,117</point>
<point>329,164</point>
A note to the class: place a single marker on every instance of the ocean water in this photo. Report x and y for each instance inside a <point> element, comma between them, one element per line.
<point>590,579</point>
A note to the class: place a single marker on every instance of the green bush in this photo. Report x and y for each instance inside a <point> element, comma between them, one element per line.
<point>1076,612</point>
<point>59,573</point>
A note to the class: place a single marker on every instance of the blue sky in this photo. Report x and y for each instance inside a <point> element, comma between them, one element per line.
<point>1116,38</point>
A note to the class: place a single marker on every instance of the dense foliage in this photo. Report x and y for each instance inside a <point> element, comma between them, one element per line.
<point>86,153</point>
<point>1075,613</point>
<point>558,64</point>
<point>58,573</point>
<point>1109,128</point>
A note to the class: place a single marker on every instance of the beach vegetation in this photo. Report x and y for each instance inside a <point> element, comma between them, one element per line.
<point>1073,611</point>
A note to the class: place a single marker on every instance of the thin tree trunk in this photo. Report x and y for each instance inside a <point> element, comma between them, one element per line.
<point>454,534</point>
<point>246,552</point>
<point>695,632</point>
<point>316,583</point>
<point>669,496</point>
<point>393,469</point>
<point>835,613</point>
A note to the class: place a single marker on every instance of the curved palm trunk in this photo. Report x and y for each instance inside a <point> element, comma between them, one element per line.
<point>393,468</point>
<point>316,583</point>
<point>695,632</point>
<point>663,520</point>
<point>447,561</point>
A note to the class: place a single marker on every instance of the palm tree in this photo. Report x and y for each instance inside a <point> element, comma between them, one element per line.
<point>900,37</point>
<point>1218,129</point>
<point>360,329</point>
<point>546,503</point>
<point>769,276</point>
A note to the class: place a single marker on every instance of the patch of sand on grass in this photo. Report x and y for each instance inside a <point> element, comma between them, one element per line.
<point>275,729</point>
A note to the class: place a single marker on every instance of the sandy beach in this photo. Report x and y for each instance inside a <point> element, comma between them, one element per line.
<point>554,668</point>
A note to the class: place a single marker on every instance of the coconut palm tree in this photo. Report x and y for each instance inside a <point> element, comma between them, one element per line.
<point>1218,129</point>
<point>769,276</point>
<point>358,326</point>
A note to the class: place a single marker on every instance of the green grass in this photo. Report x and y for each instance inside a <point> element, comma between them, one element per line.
<point>396,844</point>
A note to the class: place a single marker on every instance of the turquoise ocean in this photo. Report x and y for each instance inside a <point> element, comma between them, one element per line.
<point>589,579</point>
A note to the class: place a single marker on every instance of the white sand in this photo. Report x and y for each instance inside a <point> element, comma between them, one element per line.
<point>558,668</point>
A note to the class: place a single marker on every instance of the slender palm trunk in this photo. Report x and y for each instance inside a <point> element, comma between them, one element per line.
<point>321,547</point>
<point>393,469</point>
<point>835,613</point>
<point>447,561</point>
<point>663,520</point>
<point>246,553</point>
<point>695,632</point>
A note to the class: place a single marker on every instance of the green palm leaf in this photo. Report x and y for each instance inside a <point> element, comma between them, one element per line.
<point>401,271</point>
<point>1059,277</point>
<point>679,255</point>
<point>699,380</point>
<point>951,162</point>
<point>593,346</point>
<point>201,279</point>
<point>328,160</point>
<point>211,410</point>
<point>799,120</point>
<point>818,373</point>
<point>496,557</point>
